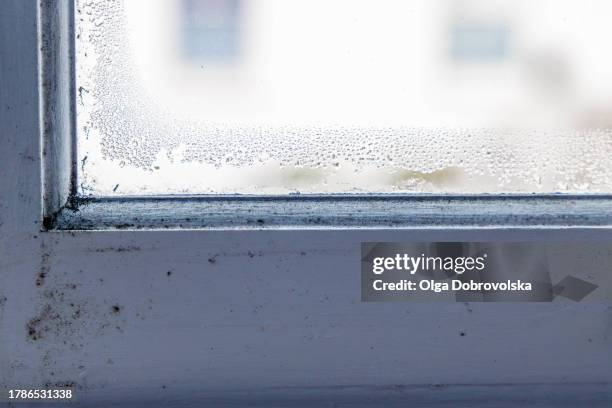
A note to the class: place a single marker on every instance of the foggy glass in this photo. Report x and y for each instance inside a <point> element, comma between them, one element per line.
<point>343,96</point>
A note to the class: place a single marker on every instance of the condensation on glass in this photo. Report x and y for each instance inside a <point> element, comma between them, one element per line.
<point>343,96</point>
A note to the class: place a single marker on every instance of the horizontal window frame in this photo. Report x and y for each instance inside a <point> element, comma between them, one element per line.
<point>64,209</point>
<point>336,211</point>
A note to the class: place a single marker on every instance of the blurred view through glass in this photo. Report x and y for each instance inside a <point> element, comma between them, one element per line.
<point>344,96</point>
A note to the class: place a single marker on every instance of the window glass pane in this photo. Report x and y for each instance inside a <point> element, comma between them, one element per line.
<point>343,96</point>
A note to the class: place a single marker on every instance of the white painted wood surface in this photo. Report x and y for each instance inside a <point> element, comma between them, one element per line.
<point>268,318</point>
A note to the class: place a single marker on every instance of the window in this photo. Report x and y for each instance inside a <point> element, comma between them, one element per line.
<point>357,114</point>
<point>267,317</point>
<point>352,96</point>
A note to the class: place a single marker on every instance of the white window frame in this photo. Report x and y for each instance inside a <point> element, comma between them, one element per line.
<point>257,318</point>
